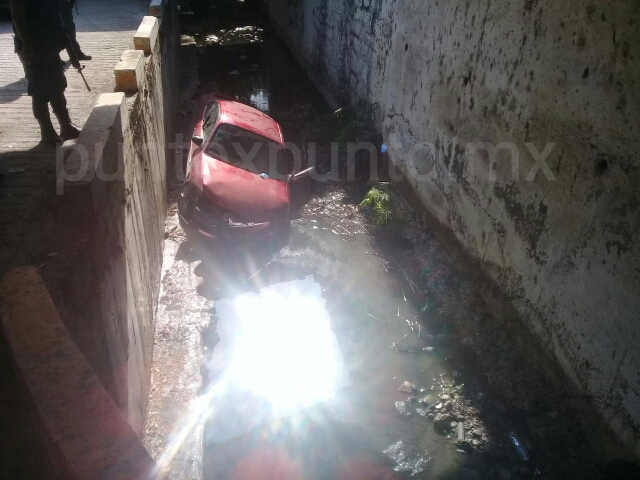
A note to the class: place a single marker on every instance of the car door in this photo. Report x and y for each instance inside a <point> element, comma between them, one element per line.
<point>207,118</point>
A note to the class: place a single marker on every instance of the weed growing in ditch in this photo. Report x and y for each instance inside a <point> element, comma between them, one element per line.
<point>380,202</point>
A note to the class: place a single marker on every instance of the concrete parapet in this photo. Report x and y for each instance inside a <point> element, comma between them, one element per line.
<point>107,221</point>
<point>87,436</point>
<point>129,72</point>
<point>156,7</point>
<point>147,34</point>
<point>96,143</point>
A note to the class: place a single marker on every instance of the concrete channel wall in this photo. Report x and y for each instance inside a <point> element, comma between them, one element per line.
<point>483,89</point>
<point>83,434</point>
<point>89,385</point>
<point>108,217</point>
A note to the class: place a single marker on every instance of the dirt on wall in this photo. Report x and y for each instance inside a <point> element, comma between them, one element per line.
<point>529,113</point>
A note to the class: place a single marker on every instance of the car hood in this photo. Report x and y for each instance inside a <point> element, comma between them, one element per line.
<point>252,198</point>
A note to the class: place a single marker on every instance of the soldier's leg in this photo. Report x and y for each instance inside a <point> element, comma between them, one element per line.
<point>66,9</point>
<point>56,85</point>
<point>59,106</point>
<point>41,113</point>
<point>38,76</point>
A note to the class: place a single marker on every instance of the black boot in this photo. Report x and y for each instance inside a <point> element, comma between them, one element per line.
<point>48,134</point>
<point>79,53</point>
<point>68,130</point>
<point>83,56</point>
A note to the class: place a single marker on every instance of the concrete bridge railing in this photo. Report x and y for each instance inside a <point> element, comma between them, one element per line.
<point>81,336</point>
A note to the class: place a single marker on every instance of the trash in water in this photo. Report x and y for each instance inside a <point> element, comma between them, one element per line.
<point>406,460</point>
<point>234,72</point>
<point>401,407</point>
<point>373,316</point>
<point>403,348</point>
<point>407,387</point>
<point>421,411</point>
<point>520,448</point>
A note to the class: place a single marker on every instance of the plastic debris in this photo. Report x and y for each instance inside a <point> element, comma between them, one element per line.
<point>406,460</point>
<point>520,448</point>
<point>401,407</point>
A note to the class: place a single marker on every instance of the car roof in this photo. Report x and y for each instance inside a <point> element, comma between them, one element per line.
<point>249,118</point>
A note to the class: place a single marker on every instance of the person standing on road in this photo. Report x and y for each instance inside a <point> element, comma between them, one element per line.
<point>39,38</point>
<point>66,9</point>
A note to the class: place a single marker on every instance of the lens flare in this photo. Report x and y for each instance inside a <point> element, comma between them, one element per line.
<point>277,355</point>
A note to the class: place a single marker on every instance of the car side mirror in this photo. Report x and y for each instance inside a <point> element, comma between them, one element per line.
<point>300,175</point>
<point>197,140</point>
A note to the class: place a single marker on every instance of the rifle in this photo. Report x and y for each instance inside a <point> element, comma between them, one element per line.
<point>75,61</point>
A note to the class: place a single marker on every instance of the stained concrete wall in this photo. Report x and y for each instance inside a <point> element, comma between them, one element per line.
<point>82,433</point>
<point>107,223</point>
<point>562,243</point>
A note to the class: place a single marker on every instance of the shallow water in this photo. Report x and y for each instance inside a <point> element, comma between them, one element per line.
<point>368,315</point>
<point>358,432</point>
<point>366,429</point>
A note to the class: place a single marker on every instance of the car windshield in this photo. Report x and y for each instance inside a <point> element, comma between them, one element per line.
<point>254,153</point>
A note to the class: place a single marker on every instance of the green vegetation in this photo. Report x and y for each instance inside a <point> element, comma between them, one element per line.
<point>379,201</point>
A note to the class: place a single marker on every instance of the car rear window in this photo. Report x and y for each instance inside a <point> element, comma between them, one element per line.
<point>210,116</point>
<point>249,151</point>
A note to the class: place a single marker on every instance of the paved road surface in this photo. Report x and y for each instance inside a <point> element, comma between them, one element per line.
<point>105,29</point>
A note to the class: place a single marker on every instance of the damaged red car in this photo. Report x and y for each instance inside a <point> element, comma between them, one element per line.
<point>239,173</point>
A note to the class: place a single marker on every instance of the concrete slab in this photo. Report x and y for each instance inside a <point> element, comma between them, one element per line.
<point>101,135</point>
<point>91,437</point>
<point>146,36</point>
<point>156,7</point>
<point>129,72</point>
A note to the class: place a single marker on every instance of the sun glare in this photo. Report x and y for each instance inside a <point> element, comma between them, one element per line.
<point>277,355</point>
<point>283,347</point>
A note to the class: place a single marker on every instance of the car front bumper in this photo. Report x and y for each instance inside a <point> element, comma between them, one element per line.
<point>200,216</point>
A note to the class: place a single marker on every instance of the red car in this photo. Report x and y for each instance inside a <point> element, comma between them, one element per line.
<point>238,173</point>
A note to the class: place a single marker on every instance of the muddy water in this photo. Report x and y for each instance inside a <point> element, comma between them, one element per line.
<point>368,315</point>
<point>348,436</point>
<point>369,429</point>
